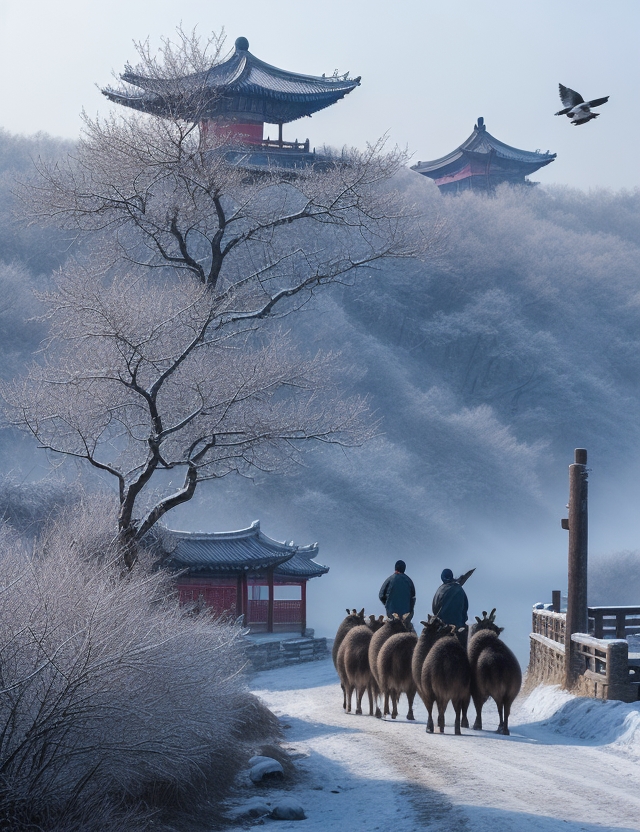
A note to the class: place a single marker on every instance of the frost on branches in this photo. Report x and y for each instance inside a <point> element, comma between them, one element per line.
<point>140,377</point>
<point>163,353</point>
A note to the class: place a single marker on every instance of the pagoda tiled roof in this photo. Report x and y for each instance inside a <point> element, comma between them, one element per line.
<point>302,564</point>
<point>479,145</point>
<point>243,85</point>
<point>244,550</point>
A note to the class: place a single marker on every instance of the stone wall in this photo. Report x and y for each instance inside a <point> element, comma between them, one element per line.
<point>265,655</point>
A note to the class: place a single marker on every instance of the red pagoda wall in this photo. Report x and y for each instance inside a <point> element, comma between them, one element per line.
<point>215,131</point>
<point>224,597</point>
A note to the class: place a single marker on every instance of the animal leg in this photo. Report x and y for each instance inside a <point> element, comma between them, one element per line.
<point>429,706</point>
<point>386,703</point>
<point>348,694</point>
<point>359,695</point>
<point>376,697</point>
<point>507,711</point>
<point>442,707</point>
<point>394,702</point>
<point>458,709</point>
<point>500,729</point>
<point>411,697</point>
<point>370,695</point>
<point>344,696</point>
<point>504,712</point>
<point>464,722</point>
<point>478,703</point>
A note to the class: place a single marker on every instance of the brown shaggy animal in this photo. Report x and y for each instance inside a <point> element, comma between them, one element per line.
<point>353,619</point>
<point>391,626</point>
<point>353,667</point>
<point>394,671</point>
<point>495,671</point>
<point>433,628</point>
<point>446,677</point>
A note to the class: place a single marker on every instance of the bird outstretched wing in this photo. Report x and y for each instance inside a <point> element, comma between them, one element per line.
<point>570,98</point>
<point>598,101</point>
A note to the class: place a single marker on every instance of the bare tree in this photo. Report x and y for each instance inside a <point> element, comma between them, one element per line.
<point>140,379</point>
<point>165,197</point>
<point>163,355</point>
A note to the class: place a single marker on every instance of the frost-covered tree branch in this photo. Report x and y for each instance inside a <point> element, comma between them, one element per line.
<point>166,197</point>
<point>139,378</point>
<point>163,356</point>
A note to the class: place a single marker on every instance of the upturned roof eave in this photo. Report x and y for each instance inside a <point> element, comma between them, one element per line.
<point>231,78</point>
<point>501,150</point>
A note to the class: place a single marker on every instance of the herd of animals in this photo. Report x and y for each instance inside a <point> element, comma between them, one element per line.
<point>384,657</point>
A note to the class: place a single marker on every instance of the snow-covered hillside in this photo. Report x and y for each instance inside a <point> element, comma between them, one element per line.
<point>569,764</point>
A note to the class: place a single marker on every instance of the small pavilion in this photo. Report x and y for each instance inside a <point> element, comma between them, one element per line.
<point>481,163</point>
<point>233,100</point>
<point>244,573</point>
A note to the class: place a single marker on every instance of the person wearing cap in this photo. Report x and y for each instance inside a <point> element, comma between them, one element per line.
<point>450,603</point>
<point>397,593</point>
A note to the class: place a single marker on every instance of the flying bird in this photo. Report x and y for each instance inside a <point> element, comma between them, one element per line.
<point>576,108</point>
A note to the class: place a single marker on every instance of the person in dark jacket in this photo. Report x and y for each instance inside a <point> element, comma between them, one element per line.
<point>397,593</point>
<point>451,605</point>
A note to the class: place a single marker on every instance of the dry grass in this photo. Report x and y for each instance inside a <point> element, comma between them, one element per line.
<point>114,707</point>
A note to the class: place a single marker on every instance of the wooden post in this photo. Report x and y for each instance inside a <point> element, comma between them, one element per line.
<point>556,600</point>
<point>280,135</point>
<point>245,599</point>
<point>239,599</point>
<point>303,606</point>
<point>577,615</point>
<point>270,603</point>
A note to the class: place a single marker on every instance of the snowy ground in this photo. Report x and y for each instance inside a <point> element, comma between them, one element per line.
<point>570,764</point>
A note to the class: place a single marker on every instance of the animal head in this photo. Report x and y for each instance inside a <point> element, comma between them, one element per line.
<point>375,623</point>
<point>396,624</point>
<point>434,626</point>
<point>488,622</point>
<point>355,617</point>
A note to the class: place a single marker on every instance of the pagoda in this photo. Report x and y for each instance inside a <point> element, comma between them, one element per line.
<point>244,573</point>
<point>233,100</point>
<point>481,163</point>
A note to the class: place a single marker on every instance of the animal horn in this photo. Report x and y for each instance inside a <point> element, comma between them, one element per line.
<point>361,613</point>
<point>492,615</point>
<point>478,619</point>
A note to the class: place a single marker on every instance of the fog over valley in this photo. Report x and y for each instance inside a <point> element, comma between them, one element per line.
<point>485,364</point>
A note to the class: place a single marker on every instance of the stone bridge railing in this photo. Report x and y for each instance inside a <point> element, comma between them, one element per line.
<point>602,666</point>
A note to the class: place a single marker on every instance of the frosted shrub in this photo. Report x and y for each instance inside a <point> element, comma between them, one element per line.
<point>113,704</point>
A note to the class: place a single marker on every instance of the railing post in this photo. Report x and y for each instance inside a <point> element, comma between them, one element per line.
<point>556,600</point>
<point>618,686</point>
<point>270,602</point>
<point>577,616</point>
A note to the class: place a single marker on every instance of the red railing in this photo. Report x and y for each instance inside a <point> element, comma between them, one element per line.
<point>284,612</point>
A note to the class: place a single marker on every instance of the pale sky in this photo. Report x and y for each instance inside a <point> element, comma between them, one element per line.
<point>429,69</point>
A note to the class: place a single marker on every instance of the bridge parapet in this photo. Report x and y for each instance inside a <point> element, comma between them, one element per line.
<point>601,667</point>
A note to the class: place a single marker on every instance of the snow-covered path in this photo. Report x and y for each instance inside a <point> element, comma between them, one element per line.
<point>570,764</point>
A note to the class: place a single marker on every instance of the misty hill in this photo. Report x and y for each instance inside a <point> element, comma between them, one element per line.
<point>486,365</point>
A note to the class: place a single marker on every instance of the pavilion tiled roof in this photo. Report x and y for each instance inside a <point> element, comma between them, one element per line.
<point>479,145</point>
<point>242,86</point>
<point>245,550</point>
<point>302,564</point>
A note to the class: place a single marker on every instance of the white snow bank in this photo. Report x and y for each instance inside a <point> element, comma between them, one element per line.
<point>576,718</point>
